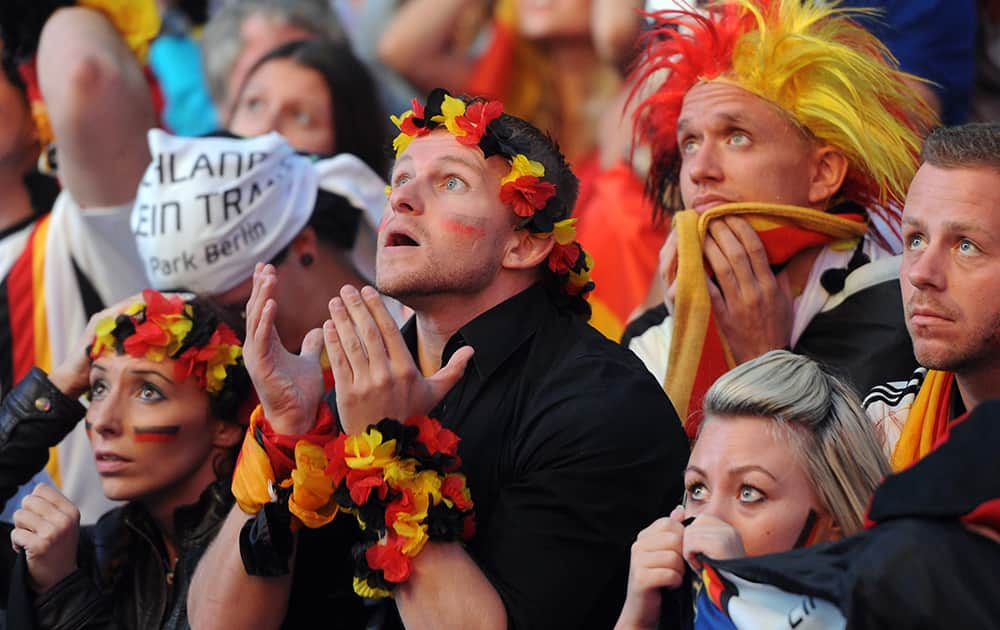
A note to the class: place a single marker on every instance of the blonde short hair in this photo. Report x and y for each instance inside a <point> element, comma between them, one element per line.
<point>821,416</point>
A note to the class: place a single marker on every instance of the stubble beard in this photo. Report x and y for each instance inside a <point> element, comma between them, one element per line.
<point>416,287</point>
<point>981,349</point>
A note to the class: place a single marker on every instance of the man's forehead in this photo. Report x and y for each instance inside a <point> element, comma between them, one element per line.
<point>959,198</point>
<point>442,148</point>
<point>723,103</point>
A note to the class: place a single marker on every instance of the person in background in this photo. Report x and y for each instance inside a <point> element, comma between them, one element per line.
<point>82,69</point>
<point>209,208</point>
<point>242,31</point>
<point>318,96</point>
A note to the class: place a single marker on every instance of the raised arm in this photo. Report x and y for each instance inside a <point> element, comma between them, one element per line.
<point>99,106</point>
<point>222,594</point>
<point>417,44</point>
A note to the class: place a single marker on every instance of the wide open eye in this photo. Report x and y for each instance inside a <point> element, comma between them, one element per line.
<point>749,494</point>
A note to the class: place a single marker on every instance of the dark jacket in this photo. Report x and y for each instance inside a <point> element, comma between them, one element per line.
<point>124,579</point>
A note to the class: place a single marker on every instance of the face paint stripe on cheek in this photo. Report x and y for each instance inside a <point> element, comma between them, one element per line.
<point>89,428</point>
<point>463,226</point>
<point>156,434</point>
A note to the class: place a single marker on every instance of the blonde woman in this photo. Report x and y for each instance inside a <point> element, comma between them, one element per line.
<point>785,458</point>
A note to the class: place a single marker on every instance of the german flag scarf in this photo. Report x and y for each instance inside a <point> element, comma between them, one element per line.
<point>927,420</point>
<point>27,305</point>
<point>698,352</point>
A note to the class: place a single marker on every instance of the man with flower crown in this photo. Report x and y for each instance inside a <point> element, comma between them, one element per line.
<point>560,441</point>
<point>783,138</point>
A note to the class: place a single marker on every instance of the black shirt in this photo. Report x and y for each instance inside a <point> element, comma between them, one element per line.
<point>570,447</point>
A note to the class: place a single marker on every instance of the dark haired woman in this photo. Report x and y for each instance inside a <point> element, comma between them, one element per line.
<point>319,96</point>
<point>166,385</point>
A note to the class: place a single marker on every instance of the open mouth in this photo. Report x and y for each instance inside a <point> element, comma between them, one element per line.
<point>108,457</point>
<point>399,239</point>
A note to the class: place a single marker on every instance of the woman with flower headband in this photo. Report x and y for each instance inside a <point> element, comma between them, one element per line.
<point>165,381</point>
<point>748,493</point>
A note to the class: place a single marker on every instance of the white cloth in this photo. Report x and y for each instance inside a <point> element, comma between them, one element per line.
<point>100,243</point>
<point>208,209</point>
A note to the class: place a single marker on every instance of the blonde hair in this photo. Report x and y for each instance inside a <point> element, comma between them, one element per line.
<point>821,416</point>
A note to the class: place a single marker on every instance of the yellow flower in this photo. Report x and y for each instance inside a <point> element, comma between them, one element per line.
<point>451,109</point>
<point>366,451</point>
<point>215,368</point>
<point>177,326</point>
<point>103,339</point>
<point>564,232</point>
<point>415,533</point>
<point>312,490</point>
<point>138,21</point>
<point>399,472</point>
<point>424,484</point>
<point>521,166</point>
<point>400,142</point>
<point>361,588</point>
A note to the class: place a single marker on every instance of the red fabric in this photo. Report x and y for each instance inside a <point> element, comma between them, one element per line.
<point>21,298</point>
<point>615,226</point>
<point>491,73</point>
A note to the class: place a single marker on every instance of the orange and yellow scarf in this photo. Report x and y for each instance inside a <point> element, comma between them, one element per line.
<point>699,353</point>
<point>927,420</point>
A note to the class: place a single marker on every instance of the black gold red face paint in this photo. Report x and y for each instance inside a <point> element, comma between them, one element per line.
<point>162,433</point>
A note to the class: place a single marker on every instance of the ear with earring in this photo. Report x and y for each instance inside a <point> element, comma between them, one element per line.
<point>306,260</point>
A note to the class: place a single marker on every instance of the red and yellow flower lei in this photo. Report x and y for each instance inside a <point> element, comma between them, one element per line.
<point>400,480</point>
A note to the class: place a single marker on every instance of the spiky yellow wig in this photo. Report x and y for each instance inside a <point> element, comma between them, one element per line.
<point>834,79</point>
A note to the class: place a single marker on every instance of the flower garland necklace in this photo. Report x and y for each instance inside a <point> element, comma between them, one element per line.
<point>523,188</point>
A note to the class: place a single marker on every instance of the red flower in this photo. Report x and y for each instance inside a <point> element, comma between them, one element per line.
<point>563,258</point>
<point>436,438</point>
<point>147,335</point>
<point>336,467</point>
<point>527,194</point>
<point>388,557</point>
<point>360,484</point>
<point>403,505</point>
<point>453,487</point>
<point>408,126</point>
<point>477,117</point>
<point>158,305</point>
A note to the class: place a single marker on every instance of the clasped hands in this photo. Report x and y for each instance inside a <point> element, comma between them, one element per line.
<point>374,373</point>
<point>753,307</point>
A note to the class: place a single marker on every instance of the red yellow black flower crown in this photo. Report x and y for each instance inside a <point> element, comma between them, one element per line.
<point>524,188</point>
<point>158,328</point>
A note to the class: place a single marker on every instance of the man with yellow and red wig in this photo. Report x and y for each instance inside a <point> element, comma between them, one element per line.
<point>783,138</point>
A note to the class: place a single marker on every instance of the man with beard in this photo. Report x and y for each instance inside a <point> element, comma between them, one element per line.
<point>949,281</point>
<point>568,445</point>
